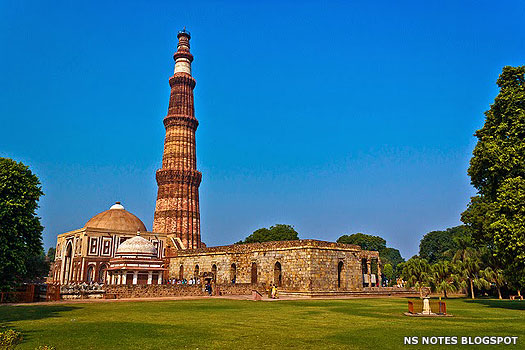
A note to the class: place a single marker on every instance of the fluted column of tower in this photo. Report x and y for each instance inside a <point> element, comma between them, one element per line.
<point>177,208</point>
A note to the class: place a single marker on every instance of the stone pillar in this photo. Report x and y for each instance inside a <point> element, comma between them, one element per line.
<point>149,277</point>
<point>369,271</point>
<point>124,277</point>
<point>160,278</point>
<point>135,277</point>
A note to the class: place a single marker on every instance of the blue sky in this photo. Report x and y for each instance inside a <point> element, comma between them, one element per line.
<point>335,117</point>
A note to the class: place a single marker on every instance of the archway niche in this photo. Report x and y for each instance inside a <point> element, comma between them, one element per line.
<point>340,274</point>
<point>214,272</point>
<point>68,263</point>
<point>277,274</point>
<point>181,272</point>
<point>102,273</point>
<point>254,272</point>
<point>90,274</point>
<point>233,273</point>
<point>196,272</point>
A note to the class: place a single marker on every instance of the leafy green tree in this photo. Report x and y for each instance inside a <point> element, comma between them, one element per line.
<point>20,229</point>
<point>51,254</point>
<point>278,232</point>
<point>366,242</point>
<point>390,256</point>
<point>497,170</point>
<point>441,245</point>
<point>444,278</point>
<point>417,273</point>
<point>389,273</point>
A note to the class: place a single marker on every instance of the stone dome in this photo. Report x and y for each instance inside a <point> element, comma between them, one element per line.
<point>116,218</point>
<point>137,245</point>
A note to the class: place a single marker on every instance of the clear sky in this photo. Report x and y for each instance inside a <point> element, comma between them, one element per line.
<point>335,117</point>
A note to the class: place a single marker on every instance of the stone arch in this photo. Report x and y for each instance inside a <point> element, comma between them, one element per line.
<point>340,274</point>
<point>254,272</point>
<point>196,271</point>
<point>90,276</point>
<point>181,272</point>
<point>277,274</point>
<point>102,273</point>
<point>233,273</point>
<point>68,257</point>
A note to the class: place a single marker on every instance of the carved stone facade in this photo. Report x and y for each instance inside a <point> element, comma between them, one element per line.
<point>84,255</point>
<point>177,209</point>
<point>295,266</point>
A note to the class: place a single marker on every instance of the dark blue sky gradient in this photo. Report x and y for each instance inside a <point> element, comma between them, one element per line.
<point>335,117</point>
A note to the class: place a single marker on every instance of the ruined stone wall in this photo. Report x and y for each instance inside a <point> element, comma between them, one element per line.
<point>306,265</point>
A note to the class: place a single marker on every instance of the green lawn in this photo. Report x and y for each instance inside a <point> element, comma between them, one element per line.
<point>234,324</point>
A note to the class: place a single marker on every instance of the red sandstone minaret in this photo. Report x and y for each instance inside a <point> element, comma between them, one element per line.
<point>177,209</point>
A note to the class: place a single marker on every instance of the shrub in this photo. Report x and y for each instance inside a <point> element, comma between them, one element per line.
<point>9,338</point>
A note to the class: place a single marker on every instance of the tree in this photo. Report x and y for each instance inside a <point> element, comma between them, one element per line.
<point>441,245</point>
<point>366,242</point>
<point>51,254</point>
<point>390,256</point>
<point>495,277</point>
<point>497,170</point>
<point>278,232</point>
<point>389,273</point>
<point>469,266</point>
<point>444,278</point>
<point>20,228</point>
<point>417,273</point>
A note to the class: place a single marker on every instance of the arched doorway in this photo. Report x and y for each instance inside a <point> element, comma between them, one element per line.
<point>233,273</point>
<point>277,274</point>
<point>340,268</point>
<point>214,272</point>
<point>181,272</point>
<point>254,272</point>
<point>196,272</point>
<point>67,263</point>
<point>90,274</point>
<point>102,273</point>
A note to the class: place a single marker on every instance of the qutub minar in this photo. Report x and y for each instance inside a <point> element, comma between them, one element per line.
<point>177,209</point>
<point>115,250</point>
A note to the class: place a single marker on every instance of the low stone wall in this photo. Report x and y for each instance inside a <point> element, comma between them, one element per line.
<point>154,290</point>
<point>237,289</point>
<point>177,290</point>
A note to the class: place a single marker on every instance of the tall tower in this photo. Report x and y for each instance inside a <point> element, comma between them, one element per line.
<point>177,208</point>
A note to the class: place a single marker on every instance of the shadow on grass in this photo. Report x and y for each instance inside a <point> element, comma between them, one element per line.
<point>20,313</point>
<point>502,304</point>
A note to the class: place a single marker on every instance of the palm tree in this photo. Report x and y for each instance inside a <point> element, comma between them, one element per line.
<point>470,270</point>
<point>416,272</point>
<point>494,276</point>
<point>443,278</point>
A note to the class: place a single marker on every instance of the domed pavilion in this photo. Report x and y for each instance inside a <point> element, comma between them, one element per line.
<point>136,262</point>
<point>84,255</point>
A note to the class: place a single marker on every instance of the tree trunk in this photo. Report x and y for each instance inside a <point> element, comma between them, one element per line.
<point>471,288</point>
<point>445,293</point>
<point>499,292</point>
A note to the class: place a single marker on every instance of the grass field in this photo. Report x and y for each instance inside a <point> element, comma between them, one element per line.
<point>236,324</point>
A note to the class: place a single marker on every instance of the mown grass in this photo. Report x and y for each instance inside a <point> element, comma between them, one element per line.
<point>235,324</point>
